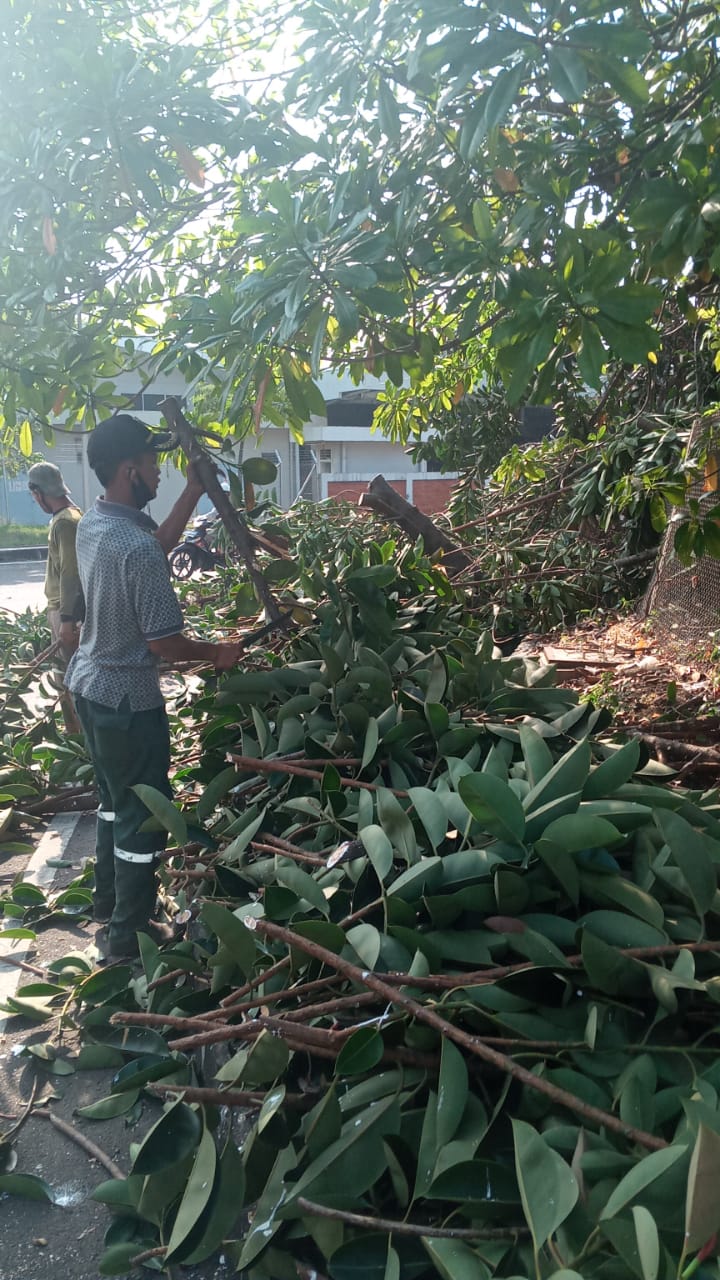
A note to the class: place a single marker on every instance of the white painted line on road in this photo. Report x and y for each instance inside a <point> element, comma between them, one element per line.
<point>52,844</point>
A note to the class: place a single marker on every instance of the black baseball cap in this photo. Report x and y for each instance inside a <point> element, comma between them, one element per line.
<point>122,436</point>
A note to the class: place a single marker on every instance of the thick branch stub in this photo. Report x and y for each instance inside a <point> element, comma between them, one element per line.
<point>382,498</point>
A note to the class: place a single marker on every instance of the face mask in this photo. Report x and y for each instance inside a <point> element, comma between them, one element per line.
<point>141,493</point>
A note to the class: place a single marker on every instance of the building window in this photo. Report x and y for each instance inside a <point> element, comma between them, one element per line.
<point>325,461</point>
<point>150,401</point>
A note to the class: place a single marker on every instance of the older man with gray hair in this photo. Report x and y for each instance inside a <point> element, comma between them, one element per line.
<point>63,590</point>
<point>62,581</point>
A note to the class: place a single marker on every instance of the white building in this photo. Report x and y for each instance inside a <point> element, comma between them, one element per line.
<point>339,457</point>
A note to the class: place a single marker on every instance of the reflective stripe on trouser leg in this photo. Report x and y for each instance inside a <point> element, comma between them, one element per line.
<point>104,888</point>
<point>126,855</point>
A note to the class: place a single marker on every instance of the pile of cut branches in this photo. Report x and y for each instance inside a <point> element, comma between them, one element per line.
<point>448,1001</point>
<point>453,956</point>
<point>568,527</point>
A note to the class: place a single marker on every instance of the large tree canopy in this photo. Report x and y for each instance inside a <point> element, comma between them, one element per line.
<point>434,194</point>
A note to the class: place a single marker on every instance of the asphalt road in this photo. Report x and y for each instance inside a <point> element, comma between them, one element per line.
<point>21,586</point>
<point>42,1241</point>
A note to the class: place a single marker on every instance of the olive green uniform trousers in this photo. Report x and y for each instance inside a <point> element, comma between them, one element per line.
<point>126,747</point>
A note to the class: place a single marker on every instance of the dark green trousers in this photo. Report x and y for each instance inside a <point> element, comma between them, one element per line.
<point>126,747</point>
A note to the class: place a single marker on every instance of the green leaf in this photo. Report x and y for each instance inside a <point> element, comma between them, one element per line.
<point>37,1009</point>
<point>197,1193</point>
<point>392,1266</point>
<point>216,789</point>
<point>98,1057</point>
<point>625,894</point>
<point>452,1092</point>
<point>502,95</point>
<point>631,304</point>
<point>172,1138</point>
<point>233,934</point>
<point>378,848</point>
<point>591,354</point>
<point>431,814</point>
<point>26,1185</point>
<point>568,73</point>
<point>396,824</point>
<point>642,1175</point>
<point>621,930</point>
<point>370,746</point>
<point>365,1257</point>
<point>225,1204</point>
<point>438,718</point>
<point>144,1069</point>
<point>293,877</point>
<point>648,1241</point>
<point>164,810</point>
<point>568,775</point>
<point>425,876</point>
<point>25,440</point>
<point>702,1209</point>
<point>428,1150</point>
<point>346,313</point>
<point>482,219</point>
<point>117,1259</point>
<point>456,1260</point>
<point>361,1052</point>
<point>266,1220</point>
<point>266,1060</point>
<point>691,856</point>
<point>493,805</point>
<point>548,1188</point>
<point>608,969</point>
<point>366,941</point>
<point>613,772</point>
<point>378,1120</point>
<point>576,831</point>
<point>116,1104</point>
<point>631,342</point>
<point>231,853</point>
<point>625,79</point>
<point>536,754</point>
<point>116,1192</point>
<point>272,1102</point>
<point>104,984</point>
<point>438,681</point>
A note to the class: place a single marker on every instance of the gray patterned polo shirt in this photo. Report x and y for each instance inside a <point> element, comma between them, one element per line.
<point>129,600</point>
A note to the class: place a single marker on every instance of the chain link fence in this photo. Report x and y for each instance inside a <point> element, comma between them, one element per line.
<point>682,603</point>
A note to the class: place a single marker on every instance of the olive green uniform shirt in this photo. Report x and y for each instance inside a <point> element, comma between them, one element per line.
<point>62,581</point>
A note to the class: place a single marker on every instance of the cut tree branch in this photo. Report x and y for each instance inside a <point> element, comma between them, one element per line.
<point>236,527</point>
<point>88,1146</point>
<point>409,1228</point>
<point>473,1044</point>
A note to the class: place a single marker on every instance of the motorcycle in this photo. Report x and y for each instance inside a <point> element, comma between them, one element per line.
<point>196,551</point>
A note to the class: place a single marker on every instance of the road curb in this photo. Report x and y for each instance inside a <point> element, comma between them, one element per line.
<point>51,846</point>
<point>16,555</point>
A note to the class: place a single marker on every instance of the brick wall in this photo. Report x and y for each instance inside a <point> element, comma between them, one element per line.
<point>431,496</point>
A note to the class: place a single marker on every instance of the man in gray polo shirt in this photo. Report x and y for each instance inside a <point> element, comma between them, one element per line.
<point>132,620</point>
